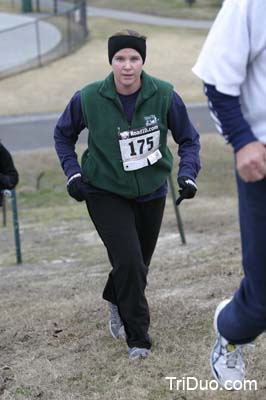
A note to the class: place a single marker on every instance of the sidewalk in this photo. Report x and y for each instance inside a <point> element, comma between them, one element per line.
<point>18,41</point>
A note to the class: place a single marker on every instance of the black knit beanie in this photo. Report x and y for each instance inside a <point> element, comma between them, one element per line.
<point>127,39</point>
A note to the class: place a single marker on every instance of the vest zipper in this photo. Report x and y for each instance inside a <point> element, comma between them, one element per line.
<point>134,172</point>
<point>129,127</point>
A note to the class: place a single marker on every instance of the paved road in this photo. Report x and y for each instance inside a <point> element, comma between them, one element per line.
<point>18,40</point>
<point>36,131</point>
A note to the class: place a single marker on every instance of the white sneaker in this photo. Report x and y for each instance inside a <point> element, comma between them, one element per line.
<point>227,363</point>
<point>138,352</point>
<point>116,326</point>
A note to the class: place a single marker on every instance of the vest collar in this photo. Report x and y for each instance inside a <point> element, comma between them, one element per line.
<point>148,88</point>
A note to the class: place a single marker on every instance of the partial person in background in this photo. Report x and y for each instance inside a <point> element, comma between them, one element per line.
<point>8,173</point>
<point>123,173</point>
<point>232,65</point>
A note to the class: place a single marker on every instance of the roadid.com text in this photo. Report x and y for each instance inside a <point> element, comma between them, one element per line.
<point>189,383</point>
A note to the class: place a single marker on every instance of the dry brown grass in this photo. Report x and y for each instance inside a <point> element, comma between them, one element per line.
<point>171,55</point>
<point>54,340</point>
<point>202,9</point>
<point>8,7</point>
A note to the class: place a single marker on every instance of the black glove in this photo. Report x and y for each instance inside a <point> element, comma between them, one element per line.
<point>77,188</point>
<point>5,182</point>
<point>188,188</point>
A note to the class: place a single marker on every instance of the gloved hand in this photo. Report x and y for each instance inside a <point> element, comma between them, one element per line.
<point>188,188</point>
<point>5,182</point>
<point>77,188</point>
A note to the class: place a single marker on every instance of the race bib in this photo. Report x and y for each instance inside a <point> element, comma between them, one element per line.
<point>140,147</point>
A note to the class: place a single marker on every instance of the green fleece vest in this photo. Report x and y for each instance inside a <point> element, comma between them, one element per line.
<point>104,116</point>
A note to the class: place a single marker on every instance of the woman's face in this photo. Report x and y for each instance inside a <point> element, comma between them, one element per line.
<point>127,68</point>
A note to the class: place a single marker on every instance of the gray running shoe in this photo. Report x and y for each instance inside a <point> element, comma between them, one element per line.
<point>137,352</point>
<point>227,363</point>
<point>116,326</point>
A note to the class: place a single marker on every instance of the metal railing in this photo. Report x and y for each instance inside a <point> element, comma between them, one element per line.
<point>12,194</point>
<point>54,29</point>
<point>179,221</point>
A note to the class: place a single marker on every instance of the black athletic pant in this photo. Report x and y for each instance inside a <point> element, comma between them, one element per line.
<point>129,231</point>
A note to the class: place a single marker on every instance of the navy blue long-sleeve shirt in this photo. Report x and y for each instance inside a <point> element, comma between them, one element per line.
<point>228,117</point>
<point>71,123</point>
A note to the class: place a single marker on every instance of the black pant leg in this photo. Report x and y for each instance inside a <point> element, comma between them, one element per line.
<point>149,217</point>
<point>114,219</point>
